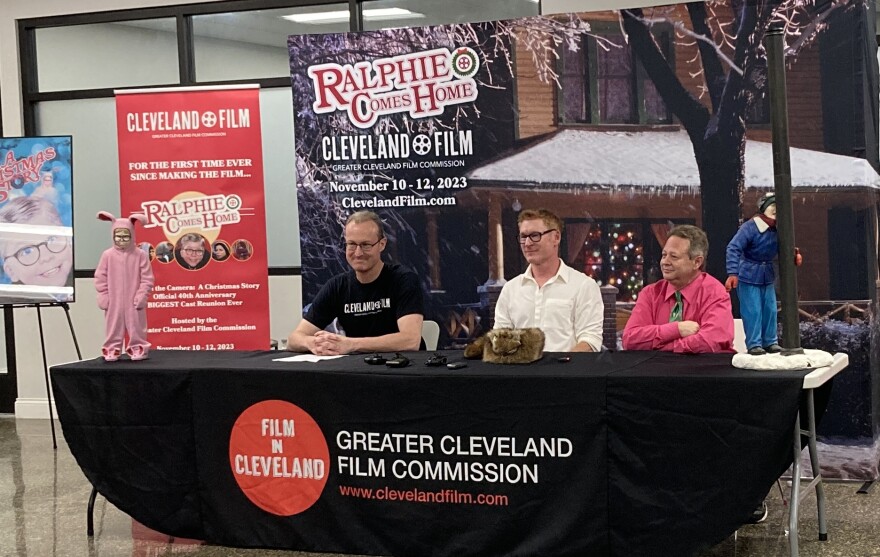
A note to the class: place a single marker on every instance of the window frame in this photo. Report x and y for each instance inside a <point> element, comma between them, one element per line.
<point>183,15</point>
<point>663,34</point>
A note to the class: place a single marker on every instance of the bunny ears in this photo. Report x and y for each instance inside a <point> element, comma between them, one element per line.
<point>104,215</point>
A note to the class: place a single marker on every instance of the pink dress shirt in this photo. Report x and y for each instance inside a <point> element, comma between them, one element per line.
<point>705,301</point>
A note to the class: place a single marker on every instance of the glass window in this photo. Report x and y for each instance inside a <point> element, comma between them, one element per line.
<point>614,74</point>
<point>604,83</point>
<point>575,88</point>
<point>107,55</point>
<point>282,222</point>
<point>248,45</point>
<point>381,14</point>
<point>624,254</point>
<point>759,111</point>
<point>92,123</point>
<point>611,253</point>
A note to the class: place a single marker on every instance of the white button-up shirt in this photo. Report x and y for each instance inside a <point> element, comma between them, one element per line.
<point>568,308</point>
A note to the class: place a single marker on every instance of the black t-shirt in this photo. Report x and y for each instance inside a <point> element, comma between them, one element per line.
<point>368,310</point>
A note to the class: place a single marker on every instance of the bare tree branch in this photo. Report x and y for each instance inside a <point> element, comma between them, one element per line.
<point>709,52</point>
<point>729,118</point>
<point>808,33</point>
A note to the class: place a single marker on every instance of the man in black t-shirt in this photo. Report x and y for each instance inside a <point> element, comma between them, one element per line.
<point>379,306</point>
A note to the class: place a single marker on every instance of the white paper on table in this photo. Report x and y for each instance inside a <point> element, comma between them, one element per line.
<point>306,358</point>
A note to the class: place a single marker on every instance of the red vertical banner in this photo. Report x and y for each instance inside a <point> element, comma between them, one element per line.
<point>191,160</point>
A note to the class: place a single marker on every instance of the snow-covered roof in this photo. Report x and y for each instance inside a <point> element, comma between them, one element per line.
<point>657,160</point>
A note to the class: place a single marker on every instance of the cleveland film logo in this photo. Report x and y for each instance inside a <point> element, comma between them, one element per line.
<point>279,457</point>
<point>367,307</point>
<point>187,120</point>
<point>421,83</point>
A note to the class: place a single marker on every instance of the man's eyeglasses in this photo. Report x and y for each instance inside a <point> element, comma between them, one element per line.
<point>535,237</point>
<point>29,255</point>
<point>366,247</point>
<point>190,251</point>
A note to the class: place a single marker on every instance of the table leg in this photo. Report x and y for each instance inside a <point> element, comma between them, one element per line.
<point>90,514</point>
<point>795,489</point>
<point>814,463</point>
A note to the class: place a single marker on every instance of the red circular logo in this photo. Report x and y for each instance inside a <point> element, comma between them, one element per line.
<point>279,457</point>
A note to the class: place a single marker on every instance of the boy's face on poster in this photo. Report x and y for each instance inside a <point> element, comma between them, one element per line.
<point>45,263</point>
<point>192,253</point>
<point>545,249</point>
<point>363,247</point>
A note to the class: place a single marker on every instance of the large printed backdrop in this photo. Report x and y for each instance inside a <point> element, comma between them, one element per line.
<point>392,121</point>
<point>191,161</point>
<point>623,123</point>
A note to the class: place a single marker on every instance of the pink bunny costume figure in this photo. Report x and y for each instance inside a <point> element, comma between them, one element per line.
<point>123,280</point>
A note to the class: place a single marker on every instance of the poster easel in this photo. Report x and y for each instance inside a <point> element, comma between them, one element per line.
<point>66,307</point>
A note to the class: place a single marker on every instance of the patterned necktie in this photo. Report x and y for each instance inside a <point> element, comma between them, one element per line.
<point>675,315</point>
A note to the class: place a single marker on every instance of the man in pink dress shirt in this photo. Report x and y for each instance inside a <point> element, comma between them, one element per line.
<point>688,311</point>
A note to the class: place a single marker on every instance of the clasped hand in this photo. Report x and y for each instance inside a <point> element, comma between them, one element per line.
<point>688,328</point>
<point>330,344</point>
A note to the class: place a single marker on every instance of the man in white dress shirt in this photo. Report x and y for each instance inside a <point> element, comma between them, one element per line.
<point>564,303</point>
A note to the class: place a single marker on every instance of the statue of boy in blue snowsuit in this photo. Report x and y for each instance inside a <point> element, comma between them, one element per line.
<point>750,256</point>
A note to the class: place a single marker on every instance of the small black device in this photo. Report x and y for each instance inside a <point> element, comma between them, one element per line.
<point>456,365</point>
<point>563,359</point>
<point>436,360</point>
<point>398,361</point>
<point>375,360</point>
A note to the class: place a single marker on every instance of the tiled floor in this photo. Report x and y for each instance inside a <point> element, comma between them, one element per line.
<point>49,495</point>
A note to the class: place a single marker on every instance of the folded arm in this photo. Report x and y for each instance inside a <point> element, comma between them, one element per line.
<point>642,334</point>
<point>716,328</point>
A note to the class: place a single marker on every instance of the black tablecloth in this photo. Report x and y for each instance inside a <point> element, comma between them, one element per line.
<point>624,454</point>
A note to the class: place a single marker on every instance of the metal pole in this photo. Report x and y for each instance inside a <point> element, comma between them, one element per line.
<point>46,376</point>
<point>795,498</point>
<point>791,338</point>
